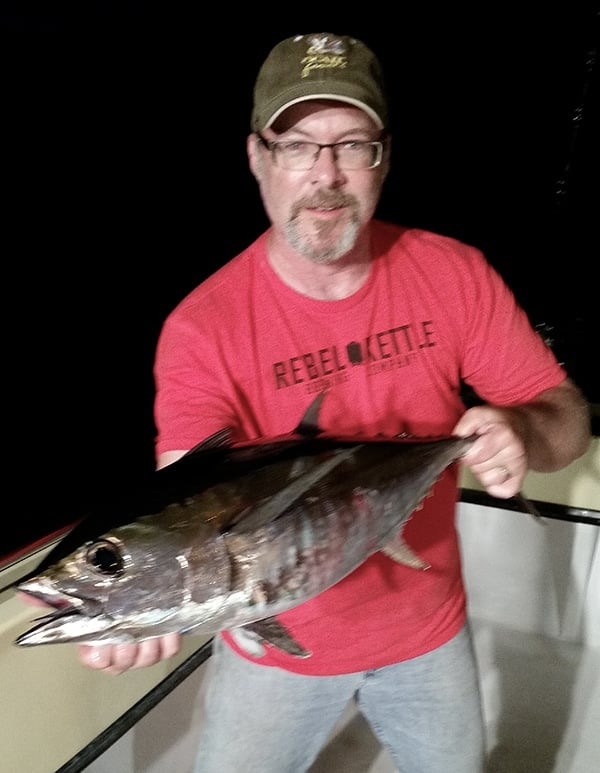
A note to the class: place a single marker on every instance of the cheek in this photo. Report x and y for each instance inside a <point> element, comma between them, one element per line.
<point>276,195</point>
<point>371,198</point>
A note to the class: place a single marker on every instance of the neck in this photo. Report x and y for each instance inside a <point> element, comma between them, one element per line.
<point>330,281</point>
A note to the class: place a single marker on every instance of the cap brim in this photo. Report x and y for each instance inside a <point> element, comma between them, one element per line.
<point>333,97</point>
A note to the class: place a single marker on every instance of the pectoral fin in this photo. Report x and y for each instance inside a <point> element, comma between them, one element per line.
<point>271,631</point>
<point>263,514</point>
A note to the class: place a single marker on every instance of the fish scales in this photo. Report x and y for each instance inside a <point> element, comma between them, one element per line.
<point>232,534</point>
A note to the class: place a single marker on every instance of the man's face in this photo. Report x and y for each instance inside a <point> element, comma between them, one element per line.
<point>318,211</point>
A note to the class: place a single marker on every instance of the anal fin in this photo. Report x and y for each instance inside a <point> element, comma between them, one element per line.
<point>399,551</point>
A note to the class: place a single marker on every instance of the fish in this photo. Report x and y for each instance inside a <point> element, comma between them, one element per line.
<point>235,533</point>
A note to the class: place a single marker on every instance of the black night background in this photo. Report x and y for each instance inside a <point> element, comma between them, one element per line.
<point>125,183</point>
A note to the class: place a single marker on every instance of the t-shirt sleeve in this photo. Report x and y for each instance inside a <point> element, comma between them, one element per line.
<point>191,395</point>
<point>505,360</point>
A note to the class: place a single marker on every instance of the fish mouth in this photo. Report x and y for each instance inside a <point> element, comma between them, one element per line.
<point>66,619</point>
<point>49,621</point>
<point>61,611</point>
<point>40,590</point>
<point>51,598</point>
<point>56,614</point>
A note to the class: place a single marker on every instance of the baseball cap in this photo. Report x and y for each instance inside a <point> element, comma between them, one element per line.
<point>319,66</point>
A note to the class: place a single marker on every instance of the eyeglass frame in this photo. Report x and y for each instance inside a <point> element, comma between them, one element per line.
<point>273,145</point>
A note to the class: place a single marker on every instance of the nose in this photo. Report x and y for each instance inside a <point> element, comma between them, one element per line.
<point>326,169</point>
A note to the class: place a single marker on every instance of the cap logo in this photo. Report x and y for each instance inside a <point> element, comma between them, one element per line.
<point>324,51</point>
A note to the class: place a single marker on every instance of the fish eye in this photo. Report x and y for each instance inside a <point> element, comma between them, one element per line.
<point>105,557</point>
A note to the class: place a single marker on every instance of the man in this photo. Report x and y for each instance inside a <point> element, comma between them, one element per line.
<point>391,321</point>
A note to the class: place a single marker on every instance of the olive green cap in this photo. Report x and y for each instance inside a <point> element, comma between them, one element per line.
<point>319,66</point>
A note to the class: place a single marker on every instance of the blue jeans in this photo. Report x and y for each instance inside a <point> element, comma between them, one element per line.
<point>426,711</point>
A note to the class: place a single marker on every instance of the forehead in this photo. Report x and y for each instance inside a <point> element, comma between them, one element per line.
<point>313,113</point>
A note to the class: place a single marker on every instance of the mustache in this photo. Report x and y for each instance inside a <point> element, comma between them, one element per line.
<point>324,200</point>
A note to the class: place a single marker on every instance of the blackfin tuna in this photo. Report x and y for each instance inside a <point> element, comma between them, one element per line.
<point>231,535</point>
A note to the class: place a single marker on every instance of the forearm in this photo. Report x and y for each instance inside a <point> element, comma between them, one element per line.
<point>554,428</point>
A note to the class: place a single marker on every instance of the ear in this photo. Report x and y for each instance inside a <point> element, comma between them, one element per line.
<point>387,152</point>
<point>252,151</point>
<point>388,144</point>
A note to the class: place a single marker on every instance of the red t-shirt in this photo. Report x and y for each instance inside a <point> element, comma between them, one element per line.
<point>245,350</point>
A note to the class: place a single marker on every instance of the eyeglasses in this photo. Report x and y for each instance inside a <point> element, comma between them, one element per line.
<point>300,156</point>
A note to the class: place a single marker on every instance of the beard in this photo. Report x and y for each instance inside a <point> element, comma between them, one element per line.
<point>324,242</point>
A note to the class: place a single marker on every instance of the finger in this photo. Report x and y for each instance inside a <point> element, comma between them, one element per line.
<point>489,446</point>
<point>110,658</point>
<point>171,644</point>
<point>478,421</point>
<point>95,656</point>
<point>154,650</point>
<point>118,658</point>
<point>500,467</point>
<point>126,656</point>
<point>504,473</point>
<point>503,490</point>
<point>500,481</point>
<point>493,476</point>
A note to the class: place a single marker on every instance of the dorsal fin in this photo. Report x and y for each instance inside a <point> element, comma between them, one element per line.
<point>309,423</point>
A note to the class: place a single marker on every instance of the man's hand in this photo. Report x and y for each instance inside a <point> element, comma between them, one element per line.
<point>498,457</point>
<point>544,434</point>
<point>117,658</point>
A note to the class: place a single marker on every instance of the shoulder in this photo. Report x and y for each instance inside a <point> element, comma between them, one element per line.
<point>224,288</point>
<point>392,237</point>
<point>430,253</point>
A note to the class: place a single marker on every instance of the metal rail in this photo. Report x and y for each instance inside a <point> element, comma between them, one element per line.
<point>126,721</point>
<point>545,509</point>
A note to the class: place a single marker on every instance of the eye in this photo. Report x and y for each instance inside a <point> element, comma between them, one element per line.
<point>354,146</point>
<point>105,557</point>
<point>297,147</point>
